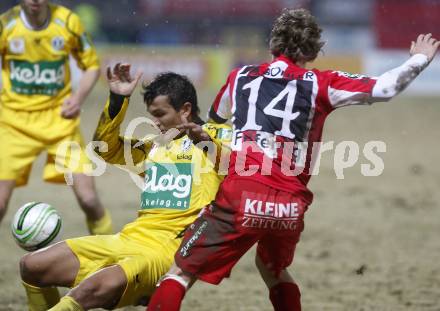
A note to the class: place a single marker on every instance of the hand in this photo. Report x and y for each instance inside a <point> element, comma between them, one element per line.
<point>194,131</point>
<point>71,108</point>
<point>426,45</point>
<point>120,81</point>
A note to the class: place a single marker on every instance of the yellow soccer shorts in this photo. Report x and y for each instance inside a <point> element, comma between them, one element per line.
<point>143,262</point>
<point>25,134</point>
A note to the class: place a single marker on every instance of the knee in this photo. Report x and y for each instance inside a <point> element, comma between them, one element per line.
<point>30,270</point>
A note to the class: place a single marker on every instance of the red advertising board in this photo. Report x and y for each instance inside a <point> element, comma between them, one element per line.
<point>216,8</point>
<point>398,22</point>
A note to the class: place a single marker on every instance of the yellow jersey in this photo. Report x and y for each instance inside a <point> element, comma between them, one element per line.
<point>180,178</point>
<point>35,63</point>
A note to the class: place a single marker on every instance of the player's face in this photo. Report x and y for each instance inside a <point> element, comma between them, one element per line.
<point>164,114</point>
<point>34,7</point>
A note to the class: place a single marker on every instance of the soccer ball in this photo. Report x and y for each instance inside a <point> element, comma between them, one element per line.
<point>36,225</point>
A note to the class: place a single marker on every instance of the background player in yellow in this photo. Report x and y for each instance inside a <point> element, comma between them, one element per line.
<point>38,109</point>
<point>112,271</point>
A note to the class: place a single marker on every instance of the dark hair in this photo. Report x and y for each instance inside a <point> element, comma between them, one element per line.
<point>179,90</point>
<point>297,35</point>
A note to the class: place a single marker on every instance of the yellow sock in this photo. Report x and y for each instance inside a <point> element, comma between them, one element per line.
<point>41,298</point>
<point>101,226</point>
<point>67,303</point>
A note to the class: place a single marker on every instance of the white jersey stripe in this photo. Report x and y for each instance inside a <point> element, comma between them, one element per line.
<point>341,98</point>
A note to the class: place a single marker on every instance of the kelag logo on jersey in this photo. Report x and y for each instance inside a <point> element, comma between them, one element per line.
<point>167,185</point>
<point>44,78</point>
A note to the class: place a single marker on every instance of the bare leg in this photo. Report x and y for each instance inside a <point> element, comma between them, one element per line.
<point>269,276</point>
<point>55,265</point>
<point>6,188</point>
<point>85,192</point>
<point>283,292</point>
<point>184,278</point>
<point>102,289</point>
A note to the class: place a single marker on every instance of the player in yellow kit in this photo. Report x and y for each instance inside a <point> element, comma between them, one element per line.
<point>38,110</point>
<point>180,177</point>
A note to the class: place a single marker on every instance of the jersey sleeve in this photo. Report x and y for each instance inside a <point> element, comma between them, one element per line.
<point>345,89</point>
<point>2,36</point>
<point>394,81</point>
<point>221,109</point>
<point>108,130</point>
<point>3,40</point>
<point>83,49</point>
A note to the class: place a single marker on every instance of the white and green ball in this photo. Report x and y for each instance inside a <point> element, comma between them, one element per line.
<point>36,225</point>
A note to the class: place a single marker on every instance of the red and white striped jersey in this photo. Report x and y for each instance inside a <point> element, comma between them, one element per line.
<point>278,111</point>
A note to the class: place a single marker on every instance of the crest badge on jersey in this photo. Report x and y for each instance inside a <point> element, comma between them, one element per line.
<point>186,144</point>
<point>16,46</point>
<point>58,43</point>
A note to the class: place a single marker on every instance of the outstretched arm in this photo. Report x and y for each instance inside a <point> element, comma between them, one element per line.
<point>121,85</point>
<point>346,89</point>
<point>120,81</point>
<point>396,80</point>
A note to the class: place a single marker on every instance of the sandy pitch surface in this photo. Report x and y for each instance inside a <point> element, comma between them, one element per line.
<point>370,243</point>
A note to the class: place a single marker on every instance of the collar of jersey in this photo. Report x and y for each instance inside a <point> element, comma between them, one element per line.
<point>29,26</point>
<point>285,59</point>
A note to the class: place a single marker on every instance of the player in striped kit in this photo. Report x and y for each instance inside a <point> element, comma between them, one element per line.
<point>278,111</point>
